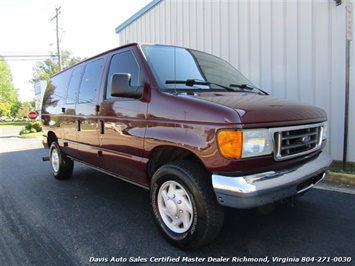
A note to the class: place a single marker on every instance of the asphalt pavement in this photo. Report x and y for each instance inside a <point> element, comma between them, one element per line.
<point>94,218</point>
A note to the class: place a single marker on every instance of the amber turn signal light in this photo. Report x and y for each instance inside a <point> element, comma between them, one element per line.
<point>230,143</point>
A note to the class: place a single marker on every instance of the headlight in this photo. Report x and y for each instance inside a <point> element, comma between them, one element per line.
<point>256,142</point>
<point>236,144</point>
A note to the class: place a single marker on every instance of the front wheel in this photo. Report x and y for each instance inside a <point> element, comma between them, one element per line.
<point>61,165</point>
<point>184,205</point>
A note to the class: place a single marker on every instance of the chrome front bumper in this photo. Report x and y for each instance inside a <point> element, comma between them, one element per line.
<point>263,188</point>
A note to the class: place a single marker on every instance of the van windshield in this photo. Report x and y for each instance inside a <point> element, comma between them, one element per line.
<point>177,68</point>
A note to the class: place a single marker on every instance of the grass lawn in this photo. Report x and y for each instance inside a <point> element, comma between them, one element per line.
<point>20,125</point>
<point>338,168</point>
<point>31,135</point>
<point>13,124</point>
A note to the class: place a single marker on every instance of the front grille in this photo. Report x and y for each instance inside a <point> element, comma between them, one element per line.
<point>291,142</point>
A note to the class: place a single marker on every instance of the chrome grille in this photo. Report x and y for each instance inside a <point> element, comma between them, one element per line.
<point>291,142</point>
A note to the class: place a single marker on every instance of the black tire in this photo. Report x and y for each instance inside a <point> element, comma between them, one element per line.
<point>184,205</point>
<point>61,165</point>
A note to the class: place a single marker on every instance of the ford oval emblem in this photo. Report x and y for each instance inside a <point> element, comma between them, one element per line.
<point>306,139</point>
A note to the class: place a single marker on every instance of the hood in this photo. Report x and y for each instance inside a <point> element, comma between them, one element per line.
<point>255,109</point>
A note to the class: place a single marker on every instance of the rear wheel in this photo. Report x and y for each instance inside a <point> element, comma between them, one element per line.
<point>184,205</point>
<point>61,165</point>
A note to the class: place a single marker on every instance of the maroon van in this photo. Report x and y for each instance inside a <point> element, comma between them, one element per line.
<point>187,126</point>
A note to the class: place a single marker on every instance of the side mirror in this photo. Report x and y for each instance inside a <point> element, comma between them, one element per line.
<point>121,87</point>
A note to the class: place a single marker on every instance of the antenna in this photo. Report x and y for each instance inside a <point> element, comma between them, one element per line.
<point>57,12</point>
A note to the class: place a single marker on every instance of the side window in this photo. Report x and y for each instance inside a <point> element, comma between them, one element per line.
<point>74,84</point>
<point>90,81</point>
<point>124,62</point>
<point>60,86</point>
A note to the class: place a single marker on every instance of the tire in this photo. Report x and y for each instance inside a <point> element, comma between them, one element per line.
<point>184,205</point>
<point>61,165</point>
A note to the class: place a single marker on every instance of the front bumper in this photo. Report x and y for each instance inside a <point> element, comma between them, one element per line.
<point>263,188</point>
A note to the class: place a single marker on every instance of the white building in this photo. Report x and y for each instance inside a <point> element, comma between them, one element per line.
<point>291,49</point>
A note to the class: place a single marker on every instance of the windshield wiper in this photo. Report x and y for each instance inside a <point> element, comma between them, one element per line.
<point>248,87</point>
<point>193,82</point>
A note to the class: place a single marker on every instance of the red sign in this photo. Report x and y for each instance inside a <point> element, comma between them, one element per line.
<point>32,115</point>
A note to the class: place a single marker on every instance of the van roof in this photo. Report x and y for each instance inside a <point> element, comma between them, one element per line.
<point>98,55</point>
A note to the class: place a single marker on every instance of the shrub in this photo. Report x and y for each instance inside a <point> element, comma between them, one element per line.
<point>34,125</point>
<point>22,131</point>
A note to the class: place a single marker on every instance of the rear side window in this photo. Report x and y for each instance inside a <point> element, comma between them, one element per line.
<point>124,62</point>
<point>74,84</point>
<point>90,82</point>
<point>59,85</point>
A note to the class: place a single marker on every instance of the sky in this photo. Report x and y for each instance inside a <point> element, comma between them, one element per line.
<point>86,28</point>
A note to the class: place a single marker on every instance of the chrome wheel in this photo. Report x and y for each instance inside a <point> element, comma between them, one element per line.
<point>61,165</point>
<point>184,205</point>
<point>175,207</point>
<point>55,160</point>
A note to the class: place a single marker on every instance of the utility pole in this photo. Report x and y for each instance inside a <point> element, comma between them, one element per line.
<point>349,38</point>
<point>57,12</point>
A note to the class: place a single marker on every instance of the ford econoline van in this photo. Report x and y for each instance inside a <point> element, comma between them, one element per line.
<point>187,126</point>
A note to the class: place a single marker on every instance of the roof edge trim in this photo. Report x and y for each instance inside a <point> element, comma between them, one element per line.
<point>137,15</point>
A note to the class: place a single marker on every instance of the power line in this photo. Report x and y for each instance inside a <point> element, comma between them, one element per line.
<point>27,57</point>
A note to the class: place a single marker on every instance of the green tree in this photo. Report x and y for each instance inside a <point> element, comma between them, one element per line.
<point>44,70</point>
<point>9,103</point>
<point>25,108</point>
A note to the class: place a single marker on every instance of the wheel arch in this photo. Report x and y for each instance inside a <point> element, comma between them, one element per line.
<point>51,136</point>
<point>165,154</point>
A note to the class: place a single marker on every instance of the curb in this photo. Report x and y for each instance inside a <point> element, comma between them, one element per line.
<point>341,178</point>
